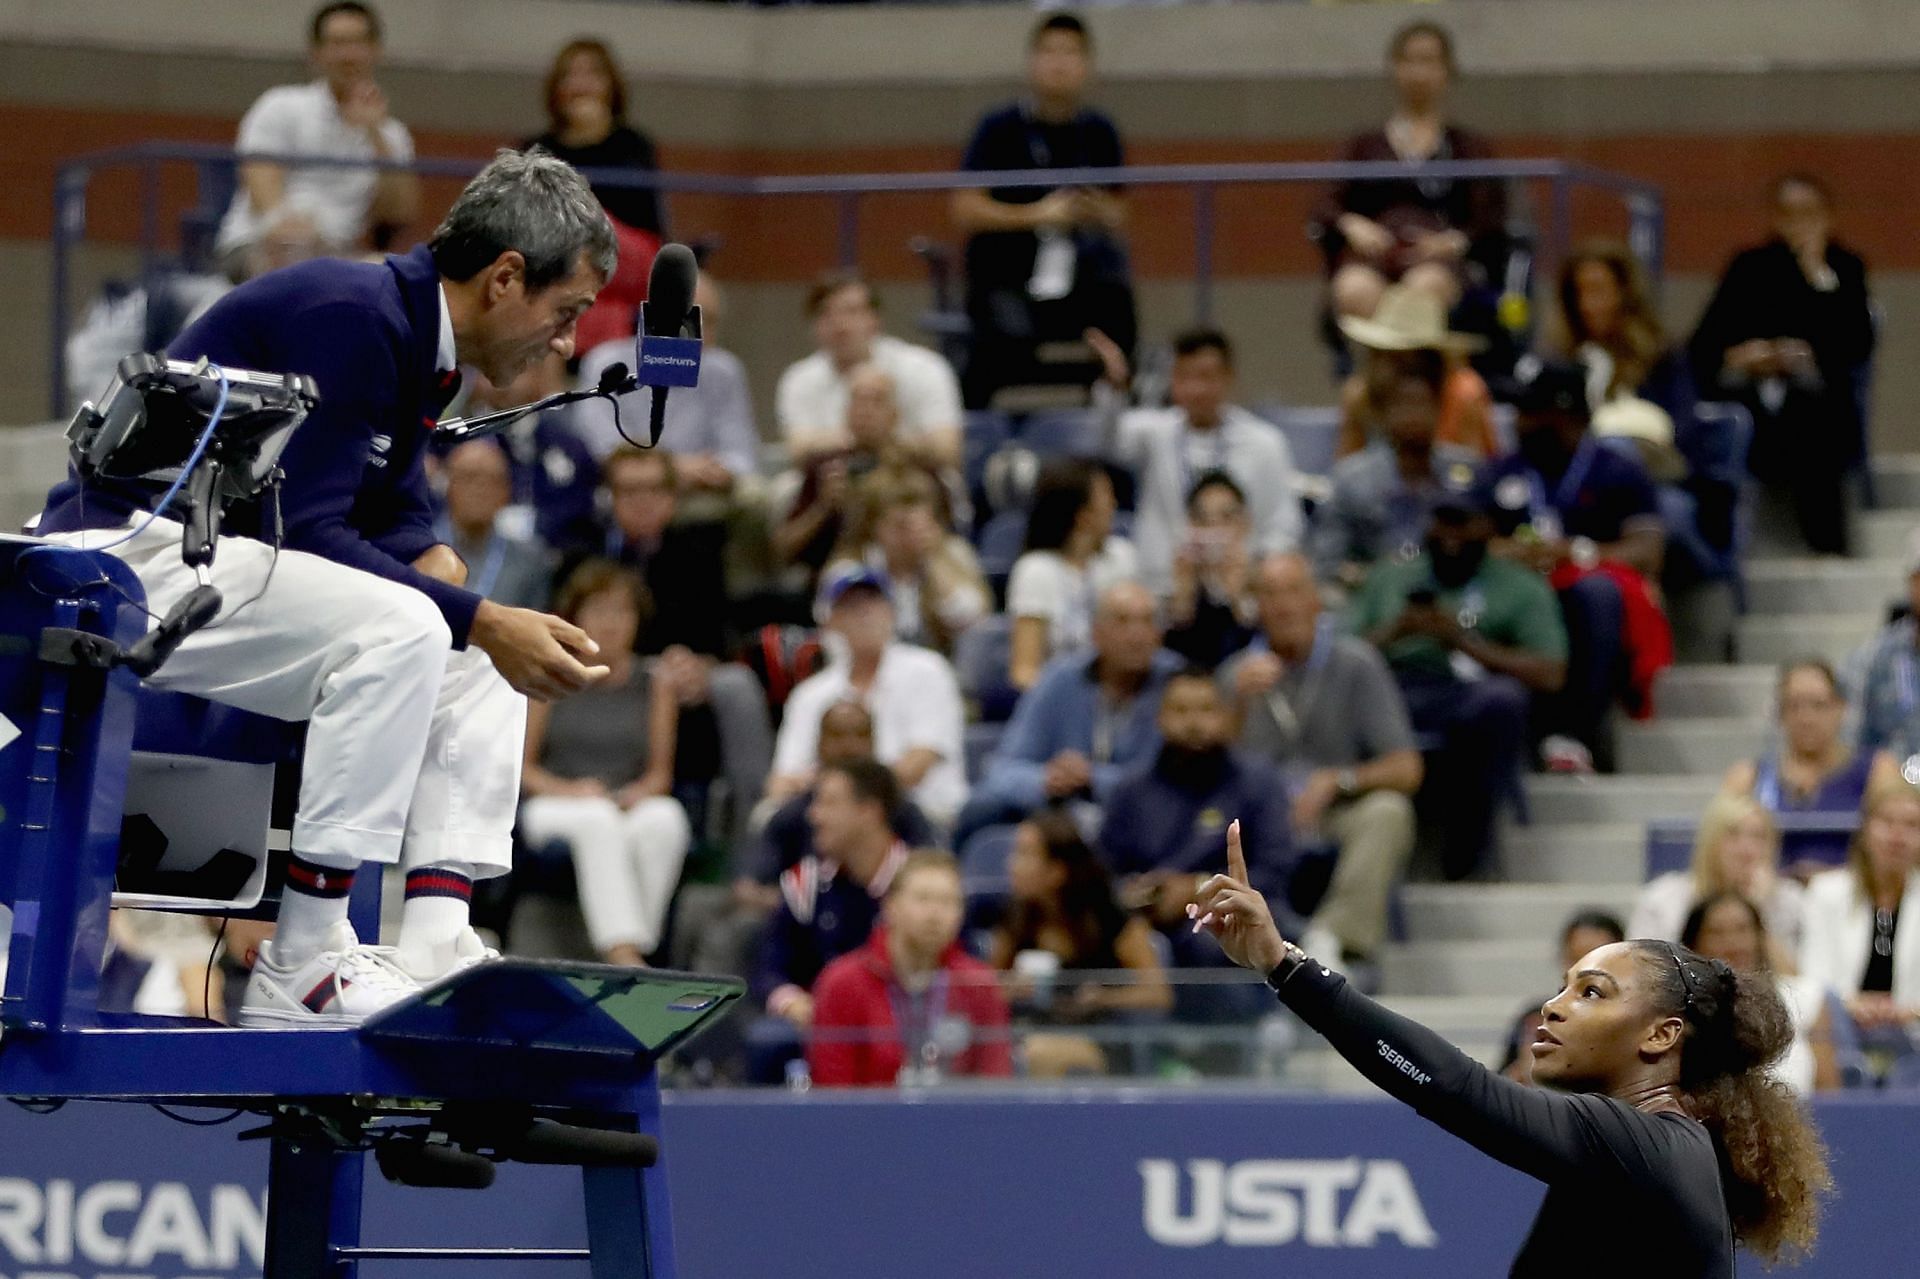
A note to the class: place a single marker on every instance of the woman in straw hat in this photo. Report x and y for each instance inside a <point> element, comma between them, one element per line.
<point>1408,335</point>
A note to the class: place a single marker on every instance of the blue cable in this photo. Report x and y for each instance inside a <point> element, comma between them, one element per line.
<point>193,460</point>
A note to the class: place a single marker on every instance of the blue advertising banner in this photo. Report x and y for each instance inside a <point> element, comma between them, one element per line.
<point>956,1186</point>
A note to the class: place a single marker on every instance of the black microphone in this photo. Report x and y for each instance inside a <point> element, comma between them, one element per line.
<point>195,609</point>
<point>668,319</point>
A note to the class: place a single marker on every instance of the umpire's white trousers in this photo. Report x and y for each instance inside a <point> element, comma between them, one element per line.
<point>627,862</point>
<point>413,750</point>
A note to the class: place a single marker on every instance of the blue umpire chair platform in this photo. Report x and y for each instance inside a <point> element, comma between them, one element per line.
<point>540,1062</point>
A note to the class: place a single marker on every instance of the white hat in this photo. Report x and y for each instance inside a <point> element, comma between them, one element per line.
<point>1649,427</point>
<point>1408,320</point>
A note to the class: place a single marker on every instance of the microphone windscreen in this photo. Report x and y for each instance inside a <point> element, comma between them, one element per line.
<point>614,377</point>
<point>670,290</point>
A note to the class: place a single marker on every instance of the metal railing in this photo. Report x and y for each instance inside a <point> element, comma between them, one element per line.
<point>1645,206</point>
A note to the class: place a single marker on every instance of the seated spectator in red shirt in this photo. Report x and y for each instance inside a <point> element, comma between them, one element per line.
<point>1586,518</point>
<point>910,1006</point>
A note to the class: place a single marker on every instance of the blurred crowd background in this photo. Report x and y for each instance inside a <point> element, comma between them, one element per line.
<point>1498,553</point>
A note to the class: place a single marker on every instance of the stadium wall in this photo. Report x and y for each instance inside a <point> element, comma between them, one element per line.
<point>1751,90</point>
<point>987,1185</point>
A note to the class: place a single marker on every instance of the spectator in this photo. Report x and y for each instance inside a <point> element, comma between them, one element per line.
<point>1072,559</point>
<point>846,733</point>
<point>1164,829</point>
<point>814,398</point>
<point>1737,849</point>
<point>1730,928</point>
<point>816,520</point>
<point>599,774</point>
<point>1210,615</point>
<point>1383,496</point>
<point>719,924</point>
<point>724,726</point>
<point>1062,904</point>
<point>1406,335</point>
<point>708,428</point>
<point>556,479</point>
<point>911,1006</point>
<point>1852,941</point>
<point>1044,266</point>
<point>1471,639</point>
<point>1609,325</point>
<point>829,901</point>
<point>897,529</point>
<point>1788,333</point>
<point>1586,932</point>
<point>1815,770</point>
<point>1422,232</point>
<point>1084,723</point>
<point>910,691</point>
<point>1323,707</point>
<point>1168,449</point>
<point>340,115</point>
<point>587,127</point>
<point>515,571</point>
<point>586,107</point>
<point>1587,520</point>
<point>1889,708</point>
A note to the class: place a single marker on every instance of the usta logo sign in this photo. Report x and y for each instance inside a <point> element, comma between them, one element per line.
<point>1269,1203</point>
<point>58,1228</point>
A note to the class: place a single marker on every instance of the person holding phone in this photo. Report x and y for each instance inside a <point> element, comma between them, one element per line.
<point>1470,638</point>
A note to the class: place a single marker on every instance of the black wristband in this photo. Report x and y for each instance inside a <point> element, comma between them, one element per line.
<point>1289,963</point>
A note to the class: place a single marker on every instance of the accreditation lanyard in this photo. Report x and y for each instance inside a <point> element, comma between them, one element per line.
<point>919,1044</point>
<point>1545,513</point>
<point>1212,447</point>
<point>1291,718</point>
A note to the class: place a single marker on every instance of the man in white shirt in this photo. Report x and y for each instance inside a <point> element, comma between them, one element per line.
<point>811,401</point>
<point>709,428</point>
<point>911,693</point>
<point>1169,450</point>
<point>342,114</point>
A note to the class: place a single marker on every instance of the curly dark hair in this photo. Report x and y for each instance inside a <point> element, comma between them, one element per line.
<point>1773,1165</point>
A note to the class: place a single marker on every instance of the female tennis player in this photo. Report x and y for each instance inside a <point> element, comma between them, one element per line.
<point>1659,1133</point>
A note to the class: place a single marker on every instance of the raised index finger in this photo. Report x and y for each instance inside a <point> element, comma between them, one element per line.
<point>1236,860</point>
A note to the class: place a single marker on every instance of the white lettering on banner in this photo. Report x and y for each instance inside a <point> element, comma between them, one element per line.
<point>116,1223</point>
<point>1270,1203</point>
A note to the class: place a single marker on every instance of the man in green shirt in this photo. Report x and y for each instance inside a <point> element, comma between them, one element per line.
<point>1469,639</point>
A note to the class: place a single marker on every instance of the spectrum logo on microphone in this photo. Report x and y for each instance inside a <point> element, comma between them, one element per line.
<point>664,361</point>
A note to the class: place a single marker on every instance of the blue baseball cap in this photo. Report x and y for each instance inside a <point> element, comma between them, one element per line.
<point>853,577</point>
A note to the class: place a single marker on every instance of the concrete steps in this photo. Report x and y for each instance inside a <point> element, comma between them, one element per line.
<point>1688,692</point>
<point>1884,534</point>
<point>1823,587</point>
<point>1603,854</point>
<point>1515,969</point>
<point>1690,747</point>
<point>1560,801</point>
<point>1775,639</point>
<point>1524,912</point>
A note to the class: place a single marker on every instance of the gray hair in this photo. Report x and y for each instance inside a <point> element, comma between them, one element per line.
<point>530,203</point>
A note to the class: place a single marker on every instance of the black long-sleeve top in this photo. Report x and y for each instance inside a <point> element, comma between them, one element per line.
<point>1628,1193</point>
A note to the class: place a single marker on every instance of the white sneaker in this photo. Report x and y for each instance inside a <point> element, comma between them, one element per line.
<point>1566,755</point>
<point>445,959</point>
<point>343,985</point>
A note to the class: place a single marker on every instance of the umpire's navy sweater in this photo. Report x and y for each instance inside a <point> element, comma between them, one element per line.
<point>356,487</point>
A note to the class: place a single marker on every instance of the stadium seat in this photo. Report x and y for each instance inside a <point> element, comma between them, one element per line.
<point>981,741</point>
<point>1312,432</point>
<point>980,658</point>
<point>1061,433</point>
<point>1001,540</point>
<point>983,862</point>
